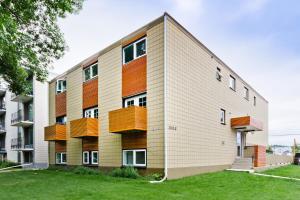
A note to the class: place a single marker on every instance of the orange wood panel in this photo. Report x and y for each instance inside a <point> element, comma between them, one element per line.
<point>259,156</point>
<point>134,77</point>
<point>134,141</point>
<point>90,144</point>
<point>90,93</point>
<point>60,146</point>
<point>133,39</point>
<point>84,127</point>
<point>246,121</point>
<point>61,104</point>
<point>55,132</point>
<point>128,119</point>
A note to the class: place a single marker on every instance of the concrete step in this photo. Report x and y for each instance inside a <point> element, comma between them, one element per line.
<point>242,163</point>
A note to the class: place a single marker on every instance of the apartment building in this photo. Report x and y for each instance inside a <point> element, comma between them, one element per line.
<point>158,100</point>
<point>23,118</point>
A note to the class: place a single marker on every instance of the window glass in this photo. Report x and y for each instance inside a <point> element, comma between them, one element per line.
<point>96,113</point>
<point>232,82</point>
<point>91,113</point>
<point>143,101</point>
<point>140,157</point>
<point>94,70</point>
<point>130,103</point>
<point>222,116</point>
<point>129,157</point>
<point>58,158</point>
<point>95,157</point>
<point>63,157</point>
<point>140,48</point>
<point>246,93</point>
<point>86,157</point>
<point>61,120</point>
<point>128,54</point>
<point>87,74</point>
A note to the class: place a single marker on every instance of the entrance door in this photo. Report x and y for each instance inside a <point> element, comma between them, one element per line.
<point>239,144</point>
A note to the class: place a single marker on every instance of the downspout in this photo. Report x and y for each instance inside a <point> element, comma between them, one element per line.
<point>165,93</point>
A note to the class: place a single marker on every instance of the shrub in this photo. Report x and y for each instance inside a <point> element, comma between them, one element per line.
<point>85,171</point>
<point>156,176</point>
<point>126,172</point>
<point>4,164</point>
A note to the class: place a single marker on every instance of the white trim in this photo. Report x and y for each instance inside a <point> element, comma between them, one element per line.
<point>134,50</point>
<point>91,72</point>
<point>134,164</point>
<point>92,112</point>
<point>60,161</point>
<point>88,156</point>
<point>95,163</point>
<point>58,82</point>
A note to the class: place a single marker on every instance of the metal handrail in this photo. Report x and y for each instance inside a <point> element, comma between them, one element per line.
<point>19,143</point>
<point>2,127</point>
<point>19,116</point>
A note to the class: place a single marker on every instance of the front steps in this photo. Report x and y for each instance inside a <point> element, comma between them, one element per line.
<point>242,163</point>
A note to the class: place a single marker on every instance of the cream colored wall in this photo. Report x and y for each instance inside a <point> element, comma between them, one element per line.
<point>155,92</point>
<point>110,98</point>
<point>74,111</point>
<point>52,121</point>
<point>194,99</point>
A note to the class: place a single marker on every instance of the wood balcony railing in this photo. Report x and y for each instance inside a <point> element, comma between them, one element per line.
<point>55,132</point>
<point>84,127</point>
<point>130,119</point>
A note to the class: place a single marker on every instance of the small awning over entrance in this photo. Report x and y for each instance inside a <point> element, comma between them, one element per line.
<point>246,124</point>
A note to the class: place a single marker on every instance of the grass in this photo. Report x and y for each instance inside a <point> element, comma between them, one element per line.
<point>292,171</point>
<point>54,184</point>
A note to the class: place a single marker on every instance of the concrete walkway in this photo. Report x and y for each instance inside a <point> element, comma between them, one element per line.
<point>279,177</point>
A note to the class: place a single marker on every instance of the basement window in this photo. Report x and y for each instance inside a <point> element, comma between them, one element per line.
<point>61,86</point>
<point>90,157</point>
<point>61,158</point>
<point>86,158</point>
<point>134,157</point>
<point>94,157</point>
<point>134,50</point>
<point>139,100</point>
<point>91,72</point>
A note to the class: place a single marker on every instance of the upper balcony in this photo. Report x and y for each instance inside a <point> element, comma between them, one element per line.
<point>19,119</point>
<point>55,132</point>
<point>84,127</point>
<point>130,119</point>
<point>2,128</point>
<point>22,98</point>
<point>19,144</point>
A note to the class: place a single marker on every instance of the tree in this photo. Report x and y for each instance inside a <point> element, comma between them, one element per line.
<point>30,39</point>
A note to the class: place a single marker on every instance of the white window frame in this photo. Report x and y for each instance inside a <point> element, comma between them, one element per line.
<point>91,72</point>
<point>135,99</point>
<point>92,110</point>
<point>134,50</point>
<point>58,82</point>
<point>232,80</point>
<point>60,161</point>
<point>88,156</point>
<point>246,93</point>
<point>134,157</point>
<point>223,116</point>
<point>95,163</point>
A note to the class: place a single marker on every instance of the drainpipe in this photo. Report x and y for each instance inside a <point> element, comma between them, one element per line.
<point>165,93</point>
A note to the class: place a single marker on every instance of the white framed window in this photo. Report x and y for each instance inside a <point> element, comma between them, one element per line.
<point>139,100</point>
<point>91,113</point>
<point>135,50</point>
<point>86,157</point>
<point>90,72</point>
<point>61,158</point>
<point>246,93</point>
<point>232,83</point>
<point>61,86</point>
<point>94,157</point>
<point>135,157</point>
<point>218,74</point>
<point>61,120</point>
<point>223,116</point>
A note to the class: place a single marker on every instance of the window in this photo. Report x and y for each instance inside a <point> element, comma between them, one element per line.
<point>254,100</point>
<point>246,93</point>
<point>61,120</point>
<point>218,74</point>
<point>223,116</point>
<point>91,72</point>
<point>61,158</point>
<point>136,157</point>
<point>94,157</point>
<point>134,50</point>
<point>61,86</point>
<point>86,157</point>
<point>139,100</point>
<point>232,83</point>
<point>91,113</point>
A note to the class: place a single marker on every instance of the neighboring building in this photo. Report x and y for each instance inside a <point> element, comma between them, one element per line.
<point>25,117</point>
<point>156,98</point>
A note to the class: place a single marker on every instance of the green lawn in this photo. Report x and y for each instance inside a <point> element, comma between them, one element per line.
<point>292,171</point>
<point>50,184</point>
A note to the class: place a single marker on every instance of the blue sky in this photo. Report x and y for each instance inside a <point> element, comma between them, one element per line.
<point>259,39</point>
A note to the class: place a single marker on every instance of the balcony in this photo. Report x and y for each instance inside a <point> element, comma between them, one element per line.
<point>246,124</point>
<point>130,119</point>
<point>55,132</point>
<point>2,108</point>
<point>84,127</point>
<point>19,119</point>
<point>2,128</point>
<point>22,98</point>
<point>3,89</point>
<point>19,144</point>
